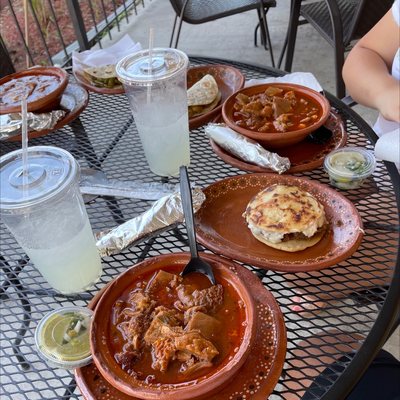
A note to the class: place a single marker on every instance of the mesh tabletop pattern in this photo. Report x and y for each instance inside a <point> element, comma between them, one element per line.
<point>105,137</point>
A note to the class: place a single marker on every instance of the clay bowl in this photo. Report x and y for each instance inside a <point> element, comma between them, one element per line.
<point>229,80</point>
<point>38,102</point>
<point>276,140</point>
<point>198,388</point>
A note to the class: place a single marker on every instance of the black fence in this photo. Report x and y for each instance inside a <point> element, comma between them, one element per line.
<point>46,32</point>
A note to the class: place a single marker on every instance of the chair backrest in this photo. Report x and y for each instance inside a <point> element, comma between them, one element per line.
<point>367,14</point>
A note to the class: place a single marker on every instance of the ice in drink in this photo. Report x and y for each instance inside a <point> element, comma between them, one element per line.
<point>70,267</point>
<point>165,140</point>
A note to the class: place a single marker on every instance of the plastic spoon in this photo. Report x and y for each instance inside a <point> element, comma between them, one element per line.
<point>196,264</point>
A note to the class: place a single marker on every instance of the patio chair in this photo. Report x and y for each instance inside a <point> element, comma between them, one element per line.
<point>200,11</point>
<point>339,22</point>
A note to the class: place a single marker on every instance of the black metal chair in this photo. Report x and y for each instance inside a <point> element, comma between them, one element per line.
<point>200,11</point>
<point>339,22</point>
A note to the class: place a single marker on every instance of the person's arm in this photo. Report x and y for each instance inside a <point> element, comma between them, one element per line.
<point>366,71</point>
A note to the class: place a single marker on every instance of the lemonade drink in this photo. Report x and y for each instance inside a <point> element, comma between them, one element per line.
<point>156,88</point>
<point>47,216</point>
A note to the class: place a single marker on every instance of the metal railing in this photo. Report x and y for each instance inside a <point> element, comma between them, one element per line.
<point>46,32</point>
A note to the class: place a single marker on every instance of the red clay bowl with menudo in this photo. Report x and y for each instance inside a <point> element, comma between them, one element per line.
<point>276,114</point>
<point>42,86</point>
<point>156,335</point>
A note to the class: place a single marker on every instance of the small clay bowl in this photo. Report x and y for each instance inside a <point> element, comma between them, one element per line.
<point>201,387</point>
<point>276,140</point>
<point>229,80</point>
<point>38,102</point>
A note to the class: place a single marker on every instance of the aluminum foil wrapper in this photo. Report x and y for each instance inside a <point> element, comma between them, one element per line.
<point>245,148</point>
<point>163,214</point>
<point>11,124</point>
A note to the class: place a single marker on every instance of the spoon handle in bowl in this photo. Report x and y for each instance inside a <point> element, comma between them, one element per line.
<point>187,205</point>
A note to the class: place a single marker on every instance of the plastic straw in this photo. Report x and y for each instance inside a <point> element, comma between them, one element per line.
<point>151,38</point>
<point>24,111</point>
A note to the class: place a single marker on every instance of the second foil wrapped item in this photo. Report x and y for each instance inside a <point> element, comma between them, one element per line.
<point>163,214</point>
<point>245,148</point>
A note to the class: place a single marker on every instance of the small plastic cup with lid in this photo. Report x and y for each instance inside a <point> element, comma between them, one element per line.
<point>62,337</point>
<point>349,167</point>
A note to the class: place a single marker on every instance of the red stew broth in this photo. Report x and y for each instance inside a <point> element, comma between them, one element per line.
<point>35,86</point>
<point>231,314</point>
<point>298,113</point>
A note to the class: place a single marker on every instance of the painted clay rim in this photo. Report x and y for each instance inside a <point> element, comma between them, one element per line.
<point>258,254</point>
<point>334,123</point>
<point>275,139</point>
<point>113,373</point>
<point>68,118</point>
<point>42,102</point>
<point>259,374</point>
<point>80,78</point>
<point>200,120</point>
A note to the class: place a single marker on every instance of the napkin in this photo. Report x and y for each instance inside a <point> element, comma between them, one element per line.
<point>388,147</point>
<point>110,55</point>
<point>299,78</point>
<point>245,148</point>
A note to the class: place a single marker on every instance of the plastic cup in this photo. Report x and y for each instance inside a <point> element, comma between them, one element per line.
<point>349,167</point>
<point>62,337</point>
<point>48,218</point>
<point>157,93</point>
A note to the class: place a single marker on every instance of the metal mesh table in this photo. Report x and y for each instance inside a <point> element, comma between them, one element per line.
<point>360,293</point>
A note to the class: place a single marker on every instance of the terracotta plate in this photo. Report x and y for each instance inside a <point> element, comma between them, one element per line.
<point>303,156</point>
<point>92,88</point>
<point>221,227</point>
<point>74,100</point>
<point>257,377</point>
<point>229,80</point>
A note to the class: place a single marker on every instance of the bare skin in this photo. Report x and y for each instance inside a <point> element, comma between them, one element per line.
<point>366,71</point>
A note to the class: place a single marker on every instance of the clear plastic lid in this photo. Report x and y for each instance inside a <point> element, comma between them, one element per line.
<point>135,69</point>
<point>350,162</point>
<point>50,170</point>
<point>62,337</point>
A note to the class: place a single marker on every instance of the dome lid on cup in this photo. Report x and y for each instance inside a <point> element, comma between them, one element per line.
<point>135,68</point>
<point>50,170</point>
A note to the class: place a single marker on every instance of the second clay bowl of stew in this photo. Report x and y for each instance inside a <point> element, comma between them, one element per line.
<point>156,335</point>
<point>276,114</point>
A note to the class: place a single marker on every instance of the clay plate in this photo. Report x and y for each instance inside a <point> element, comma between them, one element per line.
<point>229,80</point>
<point>276,140</point>
<point>227,199</point>
<point>303,156</point>
<point>257,377</point>
<point>42,104</point>
<point>92,88</point>
<point>74,100</point>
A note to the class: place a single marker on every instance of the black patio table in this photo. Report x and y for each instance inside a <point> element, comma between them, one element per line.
<point>105,137</point>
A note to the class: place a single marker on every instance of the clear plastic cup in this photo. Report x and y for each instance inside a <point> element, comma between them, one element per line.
<point>47,217</point>
<point>62,337</point>
<point>158,99</point>
<point>348,167</point>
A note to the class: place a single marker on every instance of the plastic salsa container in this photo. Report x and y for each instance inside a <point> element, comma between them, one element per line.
<point>62,337</point>
<point>348,167</point>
